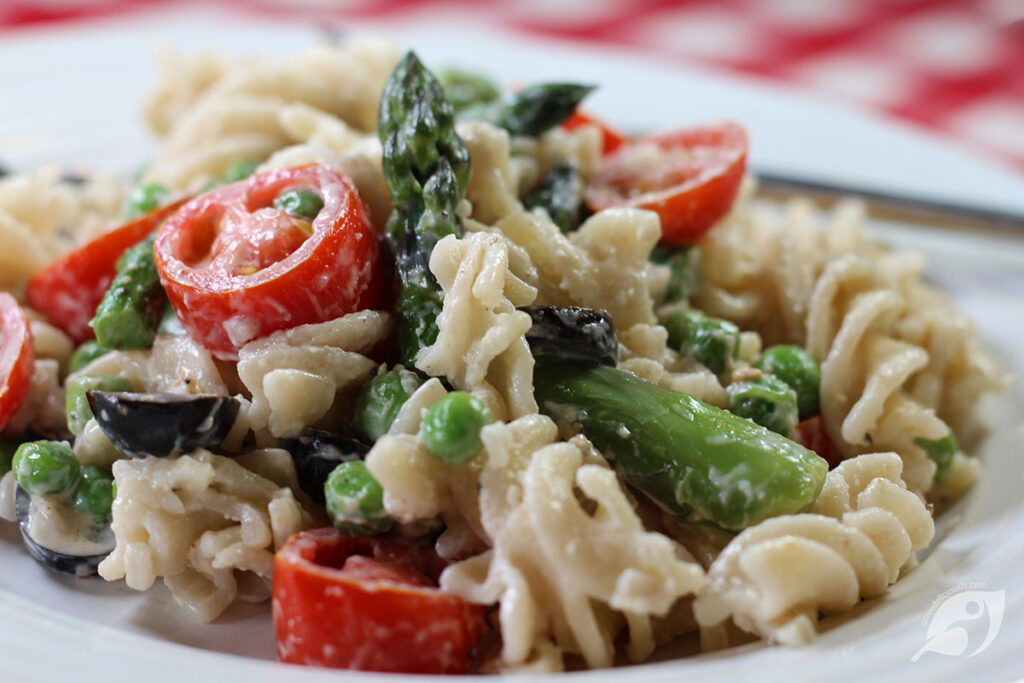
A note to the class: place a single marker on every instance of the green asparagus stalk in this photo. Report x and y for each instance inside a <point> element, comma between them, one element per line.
<point>538,108</point>
<point>426,170</point>
<point>559,194</point>
<point>77,407</point>
<point>130,312</point>
<point>712,342</point>
<point>379,401</point>
<point>465,89</point>
<point>768,401</point>
<point>534,110</point>
<point>684,266</point>
<point>942,452</point>
<point>695,460</point>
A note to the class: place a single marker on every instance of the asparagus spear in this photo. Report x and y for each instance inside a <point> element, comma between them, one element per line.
<point>426,169</point>
<point>768,401</point>
<point>130,312</point>
<point>559,194</point>
<point>534,110</point>
<point>713,342</point>
<point>693,459</point>
<point>538,108</point>
<point>380,400</point>
<point>941,451</point>
<point>684,264</point>
<point>465,89</point>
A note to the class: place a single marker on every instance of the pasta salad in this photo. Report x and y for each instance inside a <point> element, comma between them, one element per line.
<point>467,381</point>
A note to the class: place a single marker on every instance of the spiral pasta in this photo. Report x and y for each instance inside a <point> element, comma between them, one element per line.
<point>775,577</point>
<point>42,216</point>
<point>295,375</point>
<point>223,112</point>
<point>864,369</point>
<point>898,362</point>
<point>480,344</point>
<point>204,523</point>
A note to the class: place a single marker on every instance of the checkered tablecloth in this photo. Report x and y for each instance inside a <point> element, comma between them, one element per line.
<point>954,66</point>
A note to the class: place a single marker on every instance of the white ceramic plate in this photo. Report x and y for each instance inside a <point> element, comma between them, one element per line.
<point>70,95</point>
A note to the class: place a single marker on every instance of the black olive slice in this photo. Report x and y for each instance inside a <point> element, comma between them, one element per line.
<point>162,424</point>
<point>316,454</point>
<point>80,565</point>
<point>572,333</point>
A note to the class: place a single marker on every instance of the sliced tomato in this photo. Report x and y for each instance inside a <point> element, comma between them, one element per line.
<point>69,289</point>
<point>689,177</point>
<point>17,354</point>
<point>369,603</point>
<point>235,268</point>
<point>612,138</point>
<point>811,434</point>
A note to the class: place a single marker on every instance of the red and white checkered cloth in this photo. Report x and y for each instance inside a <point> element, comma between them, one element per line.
<point>955,66</point>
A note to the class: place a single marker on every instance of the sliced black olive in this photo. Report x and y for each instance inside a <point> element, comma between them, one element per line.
<point>317,453</point>
<point>79,565</point>
<point>572,333</point>
<point>162,424</point>
<point>73,178</point>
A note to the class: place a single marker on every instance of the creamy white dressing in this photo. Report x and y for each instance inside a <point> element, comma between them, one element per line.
<point>56,526</point>
<point>8,490</point>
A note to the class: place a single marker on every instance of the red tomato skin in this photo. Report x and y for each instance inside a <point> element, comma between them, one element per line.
<point>336,271</point>
<point>612,138</point>
<point>17,356</point>
<point>811,434</point>
<point>690,208</point>
<point>69,289</point>
<point>324,617</point>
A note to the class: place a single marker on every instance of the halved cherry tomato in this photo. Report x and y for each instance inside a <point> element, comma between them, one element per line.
<point>17,354</point>
<point>811,434</point>
<point>69,289</point>
<point>235,268</point>
<point>612,138</point>
<point>369,603</point>
<point>689,177</point>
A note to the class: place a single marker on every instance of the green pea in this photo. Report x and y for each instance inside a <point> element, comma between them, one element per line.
<point>768,401</point>
<point>354,499</point>
<point>77,403</point>
<point>170,323</point>
<point>941,451</point>
<point>8,445</point>
<point>299,201</point>
<point>146,198</point>
<point>797,368</point>
<point>684,267</point>
<point>712,342</point>
<point>95,493</point>
<point>45,468</point>
<point>85,354</point>
<point>380,400</point>
<point>239,169</point>
<point>450,430</point>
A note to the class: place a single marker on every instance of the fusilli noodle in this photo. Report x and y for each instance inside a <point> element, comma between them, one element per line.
<point>775,577</point>
<point>200,521</point>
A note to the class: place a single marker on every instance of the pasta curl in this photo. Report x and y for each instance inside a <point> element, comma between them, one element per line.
<point>480,344</point>
<point>864,369</point>
<point>775,577</point>
<point>205,523</point>
<point>42,217</point>
<point>295,375</point>
<point>564,571</point>
<point>224,112</point>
